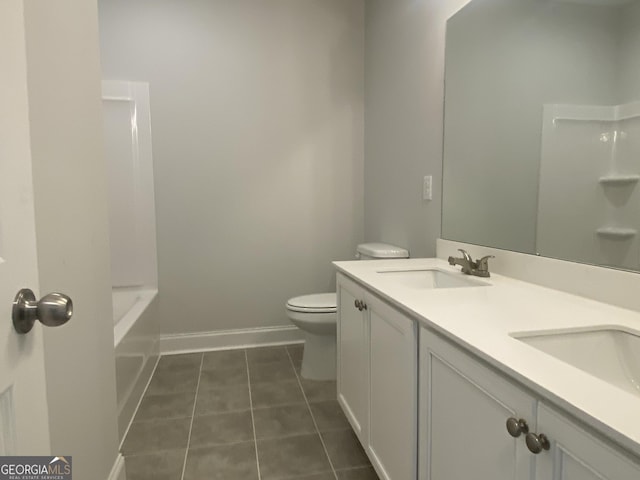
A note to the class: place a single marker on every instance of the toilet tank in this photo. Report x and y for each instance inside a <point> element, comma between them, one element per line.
<point>378,251</point>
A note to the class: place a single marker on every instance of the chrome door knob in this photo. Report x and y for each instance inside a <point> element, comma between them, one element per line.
<point>52,310</point>
<point>517,427</point>
<point>536,443</point>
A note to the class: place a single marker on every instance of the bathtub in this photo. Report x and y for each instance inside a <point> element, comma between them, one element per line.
<point>136,342</point>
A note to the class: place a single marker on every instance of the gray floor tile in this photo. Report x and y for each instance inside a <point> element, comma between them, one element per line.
<point>295,351</point>
<point>223,462</point>
<point>291,457</point>
<point>221,428</point>
<point>276,394</point>
<point>223,377</point>
<point>156,436</point>
<point>328,416</point>
<point>225,399</point>
<point>344,449</point>
<point>296,358</point>
<point>318,390</point>
<point>162,407</point>
<point>263,355</point>
<point>156,466</point>
<point>366,473</point>
<point>175,379</point>
<point>168,362</point>
<point>224,359</point>
<point>276,371</point>
<point>315,476</point>
<point>283,421</point>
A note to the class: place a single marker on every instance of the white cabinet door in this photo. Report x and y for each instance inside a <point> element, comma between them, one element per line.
<point>352,352</point>
<point>464,407</point>
<point>392,392</point>
<point>577,455</point>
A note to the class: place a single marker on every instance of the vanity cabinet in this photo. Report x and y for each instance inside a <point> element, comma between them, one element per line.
<point>464,407</point>
<point>377,378</point>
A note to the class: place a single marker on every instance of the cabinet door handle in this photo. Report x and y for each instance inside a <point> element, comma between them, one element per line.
<point>537,442</point>
<point>517,427</point>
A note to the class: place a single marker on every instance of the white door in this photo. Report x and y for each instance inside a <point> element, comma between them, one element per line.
<point>352,350</point>
<point>392,392</point>
<point>24,425</point>
<point>465,407</point>
<point>575,454</point>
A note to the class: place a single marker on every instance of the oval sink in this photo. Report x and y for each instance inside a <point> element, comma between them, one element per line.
<point>611,354</point>
<point>431,278</point>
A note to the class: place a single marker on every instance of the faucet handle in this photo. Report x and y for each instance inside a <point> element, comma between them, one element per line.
<point>483,263</point>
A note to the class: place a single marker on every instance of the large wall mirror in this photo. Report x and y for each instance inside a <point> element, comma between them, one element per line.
<point>542,128</point>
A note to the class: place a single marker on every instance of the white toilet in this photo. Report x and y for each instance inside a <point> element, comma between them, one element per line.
<point>316,315</point>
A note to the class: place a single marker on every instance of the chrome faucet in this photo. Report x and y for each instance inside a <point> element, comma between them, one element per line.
<point>479,268</point>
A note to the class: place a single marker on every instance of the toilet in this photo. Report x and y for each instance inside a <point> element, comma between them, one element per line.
<point>315,315</point>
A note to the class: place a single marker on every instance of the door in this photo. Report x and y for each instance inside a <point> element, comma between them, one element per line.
<point>353,374</point>
<point>392,392</point>
<point>465,408</point>
<point>575,454</point>
<point>24,425</point>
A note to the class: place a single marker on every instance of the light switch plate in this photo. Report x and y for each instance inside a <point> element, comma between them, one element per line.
<point>427,187</point>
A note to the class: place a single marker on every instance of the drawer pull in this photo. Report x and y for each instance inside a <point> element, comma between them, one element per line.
<point>537,443</point>
<point>517,427</point>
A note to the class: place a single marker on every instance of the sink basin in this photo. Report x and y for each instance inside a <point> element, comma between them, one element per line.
<point>431,278</point>
<point>611,354</point>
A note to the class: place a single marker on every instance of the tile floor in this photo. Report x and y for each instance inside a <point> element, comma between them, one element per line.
<point>241,415</point>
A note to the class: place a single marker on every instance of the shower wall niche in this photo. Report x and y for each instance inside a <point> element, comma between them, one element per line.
<point>588,200</point>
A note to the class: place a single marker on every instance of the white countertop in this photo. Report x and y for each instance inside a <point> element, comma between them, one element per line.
<point>481,320</point>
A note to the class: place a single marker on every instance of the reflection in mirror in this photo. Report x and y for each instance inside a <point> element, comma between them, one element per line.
<point>542,128</point>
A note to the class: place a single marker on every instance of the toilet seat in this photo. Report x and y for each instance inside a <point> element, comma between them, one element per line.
<point>316,303</point>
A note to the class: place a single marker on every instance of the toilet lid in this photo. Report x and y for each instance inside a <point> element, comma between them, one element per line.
<point>318,303</point>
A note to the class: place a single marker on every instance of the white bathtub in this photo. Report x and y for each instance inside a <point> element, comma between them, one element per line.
<point>136,342</point>
<point>129,304</point>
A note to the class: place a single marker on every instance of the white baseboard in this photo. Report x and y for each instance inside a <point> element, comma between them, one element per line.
<point>118,471</point>
<point>226,339</point>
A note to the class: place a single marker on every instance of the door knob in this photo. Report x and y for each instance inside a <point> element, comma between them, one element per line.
<point>517,427</point>
<point>52,310</point>
<point>537,443</point>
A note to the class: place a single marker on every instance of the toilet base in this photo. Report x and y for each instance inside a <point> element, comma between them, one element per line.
<point>319,357</point>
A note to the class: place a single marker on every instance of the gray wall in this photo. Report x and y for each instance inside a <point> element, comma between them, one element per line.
<point>404,54</point>
<point>70,198</point>
<point>629,60</point>
<point>257,117</point>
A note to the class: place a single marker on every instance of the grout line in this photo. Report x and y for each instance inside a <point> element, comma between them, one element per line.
<point>193,414</point>
<point>253,423</point>
<point>326,452</point>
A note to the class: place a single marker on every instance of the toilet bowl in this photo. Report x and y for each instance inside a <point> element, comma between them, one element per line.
<point>316,316</point>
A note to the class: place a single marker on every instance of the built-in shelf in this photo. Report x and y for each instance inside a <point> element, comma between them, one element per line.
<point>616,232</point>
<point>615,179</point>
